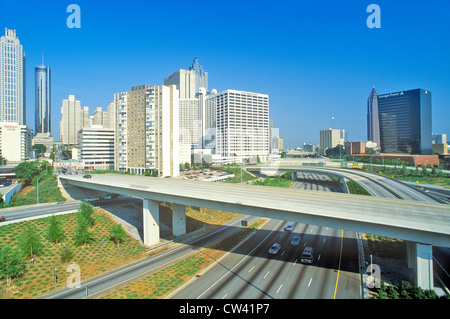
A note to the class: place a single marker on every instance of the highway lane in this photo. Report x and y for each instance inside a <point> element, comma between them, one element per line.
<point>284,277</point>
<point>23,212</point>
<point>249,272</point>
<point>32,211</point>
<point>386,187</point>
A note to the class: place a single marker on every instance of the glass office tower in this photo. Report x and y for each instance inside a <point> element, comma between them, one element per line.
<point>43,103</point>
<point>405,122</point>
<point>373,124</point>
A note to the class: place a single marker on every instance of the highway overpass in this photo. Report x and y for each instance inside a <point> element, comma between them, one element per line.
<point>423,223</point>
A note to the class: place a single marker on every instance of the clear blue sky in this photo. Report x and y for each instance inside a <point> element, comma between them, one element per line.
<point>316,59</point>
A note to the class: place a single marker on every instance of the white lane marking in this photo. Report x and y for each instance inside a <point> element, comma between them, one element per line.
<point>266,275</point>
<point>229,271</point>
<point>309,282</point>
<point>224,296</point>
<point>318,258</point>
<point>283,252</point>
<point>279,289</point>
<point>295,261</point>
<point>251,268</point>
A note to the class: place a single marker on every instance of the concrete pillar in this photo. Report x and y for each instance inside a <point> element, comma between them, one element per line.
<point>424,266</point>
<point>411,254</point>
<point>151,222</point>
<point>178,219</point>
<point>294,176</point>
<point>420,258</point>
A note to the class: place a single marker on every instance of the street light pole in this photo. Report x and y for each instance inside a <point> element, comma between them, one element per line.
<point>38,188</point>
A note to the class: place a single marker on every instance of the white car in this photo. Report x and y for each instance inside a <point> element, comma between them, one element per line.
<point>274,249</point>
<point>90,199</point>
<point>107,196</point>
<point>307,255</point>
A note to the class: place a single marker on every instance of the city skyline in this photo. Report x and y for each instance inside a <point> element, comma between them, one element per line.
<point>314,68</point>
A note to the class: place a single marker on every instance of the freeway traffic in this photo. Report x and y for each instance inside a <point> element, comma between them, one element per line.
<point>250,272</point>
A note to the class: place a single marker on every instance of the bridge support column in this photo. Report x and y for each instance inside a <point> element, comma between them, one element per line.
<point>294,176</point>
<point>420,257</point>
<point>151,222</point>
<point>424,266</point>
<point>178,219</point>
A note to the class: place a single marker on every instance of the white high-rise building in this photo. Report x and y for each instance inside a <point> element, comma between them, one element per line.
<point>188,127</point>
<point>12,79</point>
<point>15,142</point>
<point>242,125</point>
<point>96,147</point>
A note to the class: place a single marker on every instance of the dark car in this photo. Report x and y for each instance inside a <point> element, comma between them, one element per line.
<point>87,176</point>
<point>289,227</point>
<point>2,218</point>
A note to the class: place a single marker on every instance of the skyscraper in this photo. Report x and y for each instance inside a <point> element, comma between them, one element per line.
<point>242,125</point>
<point>71,120</point>
<point>147,130</point>
<point>201,77</point>
<point>330,138</point>
<point>43,100</point>
<point>405,122</point>
<point>189,82</point>
<point>12,79</point>
<point>373,124</point>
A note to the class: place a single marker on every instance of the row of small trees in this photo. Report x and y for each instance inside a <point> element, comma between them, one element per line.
<point>29,243</point>
<point>404,171</point>
<point>405,291</point>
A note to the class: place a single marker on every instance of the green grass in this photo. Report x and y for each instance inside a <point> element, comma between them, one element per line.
<point>236,170</point>
<point>48,193</point>
<point>355,188</point>
<point>276,182</point>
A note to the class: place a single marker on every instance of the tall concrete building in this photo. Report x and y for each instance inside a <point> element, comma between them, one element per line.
<point>147,130</point>
<point>330,138</point>
<point>189,82</point>
<point>184,80</point>
<point>73,118</point>
<point>12,79</point>
<point>189,132</point>
<point>242,125</point>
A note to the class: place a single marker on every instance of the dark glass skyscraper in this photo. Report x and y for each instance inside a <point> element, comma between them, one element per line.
<point>43,100</point>
<point>405,122</point>
<point>373,124</point>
